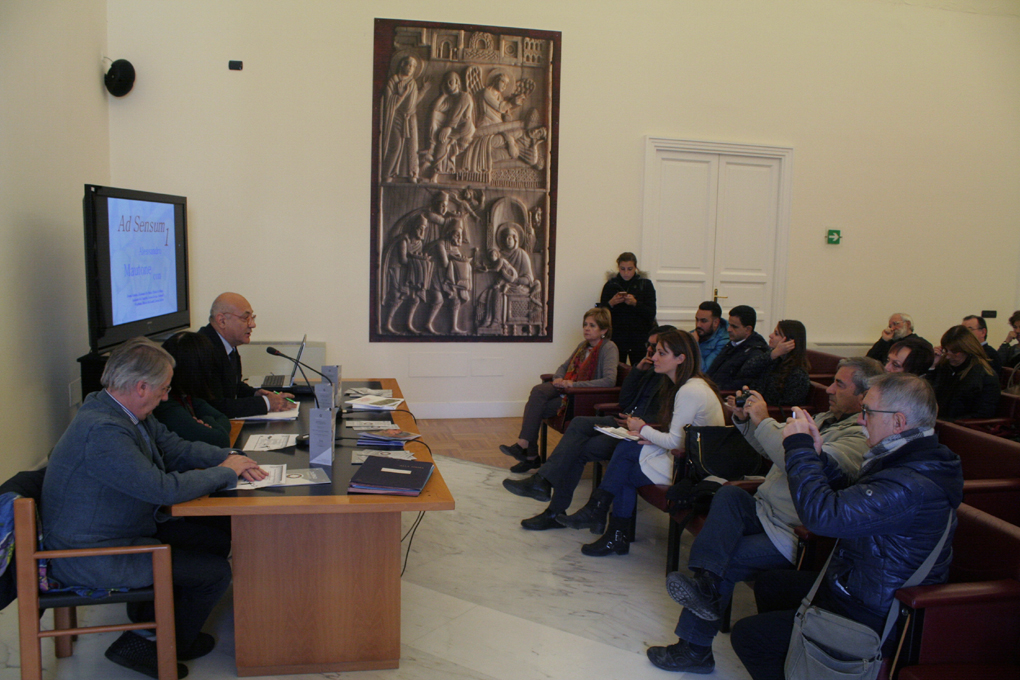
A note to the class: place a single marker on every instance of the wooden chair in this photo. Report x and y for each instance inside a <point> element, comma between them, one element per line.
<point>581,401</point>
<point>31,602</point>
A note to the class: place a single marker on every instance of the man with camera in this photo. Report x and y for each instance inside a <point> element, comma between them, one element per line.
<point>745,535</point>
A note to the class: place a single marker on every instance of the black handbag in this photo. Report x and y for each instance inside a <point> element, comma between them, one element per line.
<point>714,455</point>
<point>717,451</point>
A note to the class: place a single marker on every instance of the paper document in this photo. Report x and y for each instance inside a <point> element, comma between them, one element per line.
<point>279,476</point>
<point>365,392</point>
<point>270,442</point>
<point>618,433</point>
<point>290,414</point>
<point>369,424</point>
<point>375,403</point>
<point>274,476</point>
<point>358,456</point>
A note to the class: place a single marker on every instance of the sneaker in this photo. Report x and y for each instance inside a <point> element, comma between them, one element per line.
<point>514,451</point>
<point>697,593</point>
<point>681,658</point>
<point>135,652</point>
<point>534,486</point>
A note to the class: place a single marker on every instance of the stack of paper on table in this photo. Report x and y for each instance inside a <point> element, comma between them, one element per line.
<point>386,439</point>
<point>369,424</point>
<point>277,475</point>
<point>289,414</point>
<point>375,403</point>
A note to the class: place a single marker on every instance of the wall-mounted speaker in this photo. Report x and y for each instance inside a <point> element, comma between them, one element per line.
<point>120,78</point>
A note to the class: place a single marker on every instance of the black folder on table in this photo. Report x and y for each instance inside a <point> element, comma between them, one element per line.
<point>391,476</point>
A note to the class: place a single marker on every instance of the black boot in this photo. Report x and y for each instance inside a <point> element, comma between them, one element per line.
<point>613,541</point>
<point>592,516</point>
<point>534,486</point>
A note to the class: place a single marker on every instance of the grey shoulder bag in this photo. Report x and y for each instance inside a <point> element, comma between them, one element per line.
<point>827,646</point>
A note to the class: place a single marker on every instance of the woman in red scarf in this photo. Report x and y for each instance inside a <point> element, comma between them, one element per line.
<point>592,364</point>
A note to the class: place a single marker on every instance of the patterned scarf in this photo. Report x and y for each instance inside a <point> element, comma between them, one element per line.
<point>895,441</point>
<point>581,368</point>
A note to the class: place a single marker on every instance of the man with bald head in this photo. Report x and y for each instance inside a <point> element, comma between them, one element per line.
<point>900,326</point>
<point>231,321</point>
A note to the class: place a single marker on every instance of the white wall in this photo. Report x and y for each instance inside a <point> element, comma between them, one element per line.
<point>904,118</point>
<point>53,139</point>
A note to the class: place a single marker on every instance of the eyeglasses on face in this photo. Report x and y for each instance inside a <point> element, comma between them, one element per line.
<point>246,318</point>
<point>866,411</point>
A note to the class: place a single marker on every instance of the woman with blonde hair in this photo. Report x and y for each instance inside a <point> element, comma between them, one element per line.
<point>593,363</point>
<point>965,384</point>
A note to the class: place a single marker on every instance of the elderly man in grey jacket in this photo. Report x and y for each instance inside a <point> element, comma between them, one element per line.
<point>745,535</point>
<point>107,480</point>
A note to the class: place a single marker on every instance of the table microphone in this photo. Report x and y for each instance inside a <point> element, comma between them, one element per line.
<point>277,353</point>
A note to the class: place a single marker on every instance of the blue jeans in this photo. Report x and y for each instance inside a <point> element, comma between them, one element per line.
<point>732,545</point>
<point>623,477</point>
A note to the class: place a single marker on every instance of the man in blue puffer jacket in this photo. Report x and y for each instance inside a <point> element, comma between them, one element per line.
<point>888,521</point>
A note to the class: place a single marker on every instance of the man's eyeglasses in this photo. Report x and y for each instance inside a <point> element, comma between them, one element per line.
<point>866,411</point>
<point>247,317</point>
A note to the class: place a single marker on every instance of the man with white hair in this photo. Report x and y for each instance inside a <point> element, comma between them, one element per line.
<point>109,477</point>
<point>900,326</point>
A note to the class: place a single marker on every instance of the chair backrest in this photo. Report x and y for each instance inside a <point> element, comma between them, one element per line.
<point>982,455</point>
<point>985,548</point>
<point>823,366</point>
<point>622,371</point>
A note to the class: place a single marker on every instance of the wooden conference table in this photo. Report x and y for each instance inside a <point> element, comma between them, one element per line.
<point>317,572</point>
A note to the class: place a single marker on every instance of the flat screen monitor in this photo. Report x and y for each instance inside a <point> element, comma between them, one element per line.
<point>136,264</point>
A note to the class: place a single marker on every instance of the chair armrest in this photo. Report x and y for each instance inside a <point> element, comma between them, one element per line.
<point>546,377</point>
<point>990,485</point>
<point>955,594</point>
<point>982,423</point>
<point>585,398</point>
<point>608,408</point>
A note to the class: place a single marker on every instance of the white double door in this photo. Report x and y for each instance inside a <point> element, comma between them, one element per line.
<point>716,221</point>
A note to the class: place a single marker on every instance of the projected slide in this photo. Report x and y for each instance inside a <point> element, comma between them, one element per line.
<point>143,266</point>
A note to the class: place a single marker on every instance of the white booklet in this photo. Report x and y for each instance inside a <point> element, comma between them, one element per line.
<point>279,476</point>
<point>269,442</point>
<point>618,433</point>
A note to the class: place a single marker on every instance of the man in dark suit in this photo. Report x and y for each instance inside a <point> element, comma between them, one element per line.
<point>977,326</point>
<point>727,370</point>
<point>231,321</point>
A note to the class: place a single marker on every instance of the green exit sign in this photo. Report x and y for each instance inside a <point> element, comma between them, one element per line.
<point>833,236</point>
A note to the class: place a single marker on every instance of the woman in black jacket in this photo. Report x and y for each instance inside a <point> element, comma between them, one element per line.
<point>631,301</point>
<point>965,384</point>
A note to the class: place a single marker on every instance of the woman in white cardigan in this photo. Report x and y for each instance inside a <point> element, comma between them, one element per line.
<point>694,400</point>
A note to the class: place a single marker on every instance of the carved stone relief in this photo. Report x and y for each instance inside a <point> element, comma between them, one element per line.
<point>463,182</point>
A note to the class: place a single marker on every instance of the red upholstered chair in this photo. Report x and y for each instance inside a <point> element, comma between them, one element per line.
<point>581,401</point>
<point>1006,421</point>
<point>823,366</point>
<point>991,469</point>
<point>969,627</point>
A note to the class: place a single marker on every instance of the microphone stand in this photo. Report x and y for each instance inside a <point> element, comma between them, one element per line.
<point>277,353</point>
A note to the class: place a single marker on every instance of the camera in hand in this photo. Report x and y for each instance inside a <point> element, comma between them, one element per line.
<point>740,401</point>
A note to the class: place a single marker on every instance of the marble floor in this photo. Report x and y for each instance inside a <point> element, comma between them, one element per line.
<point>482,600</point>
